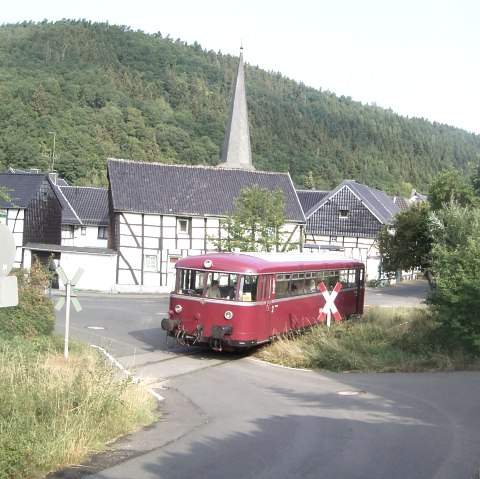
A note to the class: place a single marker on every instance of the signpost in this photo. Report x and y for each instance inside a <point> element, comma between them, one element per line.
<point>329,307</point>
<point>8,284</point>
<point>69,297</point>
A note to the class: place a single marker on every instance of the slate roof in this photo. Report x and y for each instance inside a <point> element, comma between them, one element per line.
<point>21,188</point>
<point>179,190</point>
<point>90,204</point>
<point>377,201</point>
<point>367,210</point>
<point>401,202</point>
<point>310,198</point>
<point>69,216</point>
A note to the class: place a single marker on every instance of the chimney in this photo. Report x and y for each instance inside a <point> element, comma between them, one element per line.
<point>53,177</point>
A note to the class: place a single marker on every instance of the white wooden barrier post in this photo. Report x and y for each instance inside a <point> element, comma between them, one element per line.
<point>67,298</point>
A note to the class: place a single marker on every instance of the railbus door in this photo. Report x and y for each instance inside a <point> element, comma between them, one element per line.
<point>265,325</point>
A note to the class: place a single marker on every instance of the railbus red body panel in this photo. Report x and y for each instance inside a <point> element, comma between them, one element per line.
<point>239,300</point>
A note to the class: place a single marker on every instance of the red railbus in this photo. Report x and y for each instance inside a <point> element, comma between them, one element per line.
<point>238,300</point>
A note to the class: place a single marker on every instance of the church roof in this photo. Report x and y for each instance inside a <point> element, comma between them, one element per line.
<point>236,147</point>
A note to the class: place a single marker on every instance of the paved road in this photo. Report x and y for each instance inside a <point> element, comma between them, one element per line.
<point>407,293</point>
<point>233,416</point>
<point>246,419</point>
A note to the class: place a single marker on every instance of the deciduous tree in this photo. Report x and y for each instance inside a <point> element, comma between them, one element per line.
<point>407,242</point>
<point>256,224</point>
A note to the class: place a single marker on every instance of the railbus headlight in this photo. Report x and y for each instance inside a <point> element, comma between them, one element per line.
<point>228,315</point>
<point>178,308</point>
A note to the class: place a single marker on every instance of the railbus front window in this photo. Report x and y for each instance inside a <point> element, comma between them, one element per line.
<point>221,285</point>
<point>190,282</point>
<point>248,288</point>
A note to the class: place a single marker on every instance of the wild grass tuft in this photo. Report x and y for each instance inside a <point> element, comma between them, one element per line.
<point>383,340</point>
<point>55,412</point>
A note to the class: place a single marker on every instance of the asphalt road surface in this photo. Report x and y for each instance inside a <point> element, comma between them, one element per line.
<point>407,293</point>
<point>232,416</point>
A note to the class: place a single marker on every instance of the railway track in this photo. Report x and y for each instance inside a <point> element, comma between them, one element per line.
<point>153,369</point>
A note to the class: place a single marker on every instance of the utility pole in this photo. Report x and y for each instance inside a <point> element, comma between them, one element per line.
<point>53,155</point>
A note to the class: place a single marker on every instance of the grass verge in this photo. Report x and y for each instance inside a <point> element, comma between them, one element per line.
<point>383,340</point>
<point>55,412</point>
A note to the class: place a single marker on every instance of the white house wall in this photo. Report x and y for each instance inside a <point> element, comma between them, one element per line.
<point>14,219</point>
<point>146,239</point>
<point>99,270</point>
<point>89,237</point>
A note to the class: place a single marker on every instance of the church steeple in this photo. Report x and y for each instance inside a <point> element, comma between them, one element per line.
<point>236,147</point>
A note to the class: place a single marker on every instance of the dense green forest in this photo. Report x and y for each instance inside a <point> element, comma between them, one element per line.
<point>105,91</point>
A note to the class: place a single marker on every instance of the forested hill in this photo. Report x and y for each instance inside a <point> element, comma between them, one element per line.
<point>106,91</point>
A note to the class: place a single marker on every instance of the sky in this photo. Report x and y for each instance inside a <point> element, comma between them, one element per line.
<point>419,58</point>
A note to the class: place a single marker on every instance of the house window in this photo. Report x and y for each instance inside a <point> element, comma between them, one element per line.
<point>183,226</point>
<point>102,232</point>
<point>343,213</point>
<point>150,263</point>
<point>67,232</point>
<point>83,230</point>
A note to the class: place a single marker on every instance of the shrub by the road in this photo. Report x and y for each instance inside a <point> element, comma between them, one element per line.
<point>383,340</point>
<point>54,411</point>
<point>34,316</point>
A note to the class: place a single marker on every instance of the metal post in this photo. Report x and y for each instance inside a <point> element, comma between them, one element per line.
<point>67,318</point>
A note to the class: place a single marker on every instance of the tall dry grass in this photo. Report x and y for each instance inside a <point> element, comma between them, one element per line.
<point>383,340</point>
<point>55,412</point>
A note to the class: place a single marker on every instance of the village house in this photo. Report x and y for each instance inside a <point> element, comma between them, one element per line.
<point>59,225</point>
<point>32,212</point>
<point>348,219</point>
<point>160,213</point>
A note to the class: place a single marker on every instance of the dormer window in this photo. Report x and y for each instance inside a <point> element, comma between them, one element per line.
<point>343,213</point>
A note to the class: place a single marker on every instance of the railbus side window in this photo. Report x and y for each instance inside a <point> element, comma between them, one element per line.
<point>321,277</point>
<point>281,286</point>
<point>297,283</point>
<point>348,278</point>
<point>333,278</point>
<point>310,283</point>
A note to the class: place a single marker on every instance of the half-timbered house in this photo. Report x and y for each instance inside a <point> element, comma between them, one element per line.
<point>160,213</point>
<point>349,219</point>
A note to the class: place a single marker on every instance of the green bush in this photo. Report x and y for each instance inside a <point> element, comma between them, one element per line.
<point>34,315</point>
<point>455,300</point>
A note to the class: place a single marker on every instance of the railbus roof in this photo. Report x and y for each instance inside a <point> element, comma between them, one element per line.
<point>257,263</point>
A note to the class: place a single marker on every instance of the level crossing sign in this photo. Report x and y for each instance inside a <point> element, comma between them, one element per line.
<point>69,297</point>
<point>329,308</point>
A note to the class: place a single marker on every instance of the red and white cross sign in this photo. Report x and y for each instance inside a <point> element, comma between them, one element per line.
<point>329,306</point>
